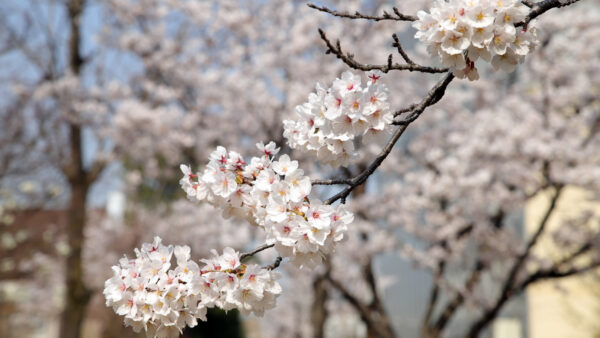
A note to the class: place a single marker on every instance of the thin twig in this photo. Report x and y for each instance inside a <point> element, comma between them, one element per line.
<point>551,273</point>
<point>532,241</point>
<point>509,288</point>
<point>255,251</point>
<point>357,15</point>
<point>365,313</point>
<point>349,60</point>
<point>275,264</point>
<point>433,298</point>
<point>459,298</point>
<point>541,7</point>
<point>405,110</point>
<point>401,51</point>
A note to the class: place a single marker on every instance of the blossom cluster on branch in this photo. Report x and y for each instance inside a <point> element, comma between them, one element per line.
<point>462,31</point>
<point>334,117</point>
<point>163,301</point>
<point>273,195</point>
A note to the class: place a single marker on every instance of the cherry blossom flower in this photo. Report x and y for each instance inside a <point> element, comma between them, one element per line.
<point>162,302</point>
<point>334,117</point>
<point>460,32</point>
<point>275,195</point>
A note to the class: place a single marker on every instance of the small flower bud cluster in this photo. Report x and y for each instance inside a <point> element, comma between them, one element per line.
<point>462,31</point>
<point>333,117</point>
<point>273,195</point>
<point>163,301</point>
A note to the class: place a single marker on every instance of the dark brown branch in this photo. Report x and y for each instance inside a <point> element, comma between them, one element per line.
<point>255,251</point>
<point>453,305</point>
<point>397,16</point>
<point>318,311</point>
<point>583,249</point>
<point>459,298</point>
<point>365,313</point>
<point>405,110</point>
<point>376,303</point>
<point>275,264</point>
<point>434,95</point>
<point>555,272</point>
<point>349,60</point>
<point>361,178</point>
<point>532,241</point>
<point>369,276</point>
<point>433,299</point>
<point>335,181</point>
<point>542,7</point>
<point>551,273</point>
<point>95,171</point>
<point>401,51</point>
<point>528,3</point>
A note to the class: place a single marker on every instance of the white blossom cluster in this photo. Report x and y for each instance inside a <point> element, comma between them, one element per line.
<point>334,117</point>
<point>462,31</point>
<point>273,195</point>
<point>163,301</point>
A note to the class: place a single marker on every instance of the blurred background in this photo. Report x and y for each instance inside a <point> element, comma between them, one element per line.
<point>101,100</point>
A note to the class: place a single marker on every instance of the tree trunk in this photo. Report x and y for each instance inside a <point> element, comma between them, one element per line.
<point>76,294</point>
<point>318,311</point>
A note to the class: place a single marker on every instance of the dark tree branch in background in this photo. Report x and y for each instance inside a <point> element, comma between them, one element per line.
<point>318,311</point>
<point>508,288</point>
<point>453,305</point>
<point>582,250</point>
<point>550,273</point>
<point>397,16</point>
<point>376,303</point>
<point>433,299</point>
<point>555,272</point>
<point>95,171</point>
<point>349,60</point>
<point>365,313</point>
<point>431,328</point>
<point>532,241</point>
